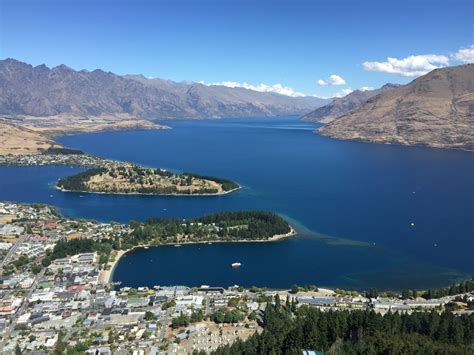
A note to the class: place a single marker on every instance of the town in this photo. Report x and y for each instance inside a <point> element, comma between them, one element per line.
<point>60,156</point>
<point>51,300</point>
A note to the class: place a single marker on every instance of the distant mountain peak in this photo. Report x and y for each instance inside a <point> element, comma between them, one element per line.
<point>342,105</point>
<point>61,67</point>
<point>390,86</point>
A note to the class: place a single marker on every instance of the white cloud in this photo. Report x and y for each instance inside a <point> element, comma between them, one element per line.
<point>343,92</point>
<point>333,80</point>
<point>276,88</point>
<point>414,65</point>
<point>340,93</point>
<point>366,88</point>
<point>465,55</point>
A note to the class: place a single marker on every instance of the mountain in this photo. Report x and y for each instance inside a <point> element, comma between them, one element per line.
<point>342,105</point>
<point>41,91</point>
<point>435,110</point>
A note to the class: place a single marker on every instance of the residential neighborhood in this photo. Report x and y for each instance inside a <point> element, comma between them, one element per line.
<point>61,157</point>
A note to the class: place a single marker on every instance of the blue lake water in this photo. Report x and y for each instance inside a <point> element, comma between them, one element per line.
<point>353,204</point>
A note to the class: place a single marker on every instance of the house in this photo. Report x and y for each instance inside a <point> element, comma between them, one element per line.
<point>10,229</point>
<point>85,258</point>
<point>317,301</point>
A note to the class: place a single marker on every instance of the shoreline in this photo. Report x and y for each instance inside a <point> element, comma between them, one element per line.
<point>146,193</point>
<point>392,143</point>
<point>108,274</point>
<point>105,277</point>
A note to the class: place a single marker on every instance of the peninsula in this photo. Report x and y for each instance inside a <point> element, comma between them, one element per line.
<point>129,178</point>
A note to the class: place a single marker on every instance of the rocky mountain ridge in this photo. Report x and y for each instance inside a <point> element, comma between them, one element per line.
<point>436,110</point>
<point>41,91</point>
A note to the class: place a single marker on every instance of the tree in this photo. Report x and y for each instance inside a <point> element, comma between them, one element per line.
<point>149,316</point>
<point>277,301</point>
<point>61,345</point>
<point>358,332</point>
<point>294,289</point>
<point>197,316</point>
<point>46,261</point>
<point>180,321</point>
<point>35,269</point>
<point>372,293</point>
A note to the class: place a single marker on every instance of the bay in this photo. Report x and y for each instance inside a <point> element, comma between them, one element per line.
<point>352,203</point>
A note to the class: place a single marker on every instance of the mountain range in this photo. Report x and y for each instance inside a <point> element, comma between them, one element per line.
<point>41,91</point>
<point>436,109</point>
<point>342,105</point>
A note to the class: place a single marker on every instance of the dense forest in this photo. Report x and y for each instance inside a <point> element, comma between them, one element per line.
<point>462,287</point>
<point>250,225</point>
<point>288,330</point>
<point>259,224</point>
<point>227,185</point>
<point>64,151</point>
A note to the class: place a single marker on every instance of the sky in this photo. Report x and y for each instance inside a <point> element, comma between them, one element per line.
<point>320,48</point>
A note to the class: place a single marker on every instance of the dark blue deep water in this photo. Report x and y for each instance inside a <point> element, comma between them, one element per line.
<point>353,204</point>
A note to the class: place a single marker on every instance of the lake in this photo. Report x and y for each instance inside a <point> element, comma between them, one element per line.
<point>368,215</point>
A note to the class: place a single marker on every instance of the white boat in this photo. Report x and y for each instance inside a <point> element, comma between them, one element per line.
<point>236,265</point>
<point>145,247</point>
<point>177,245</point>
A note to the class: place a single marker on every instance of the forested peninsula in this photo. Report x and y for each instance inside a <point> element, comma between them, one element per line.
<point>134,179</point>
<point>237,226</point>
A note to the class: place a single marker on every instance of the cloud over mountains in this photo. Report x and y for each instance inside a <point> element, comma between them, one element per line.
<point>276,88</point>
<point>332,80</point>
<point>465,55</point>
<point>417,65</point>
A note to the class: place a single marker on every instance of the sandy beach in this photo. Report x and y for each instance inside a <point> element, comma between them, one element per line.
<point>105,276</point>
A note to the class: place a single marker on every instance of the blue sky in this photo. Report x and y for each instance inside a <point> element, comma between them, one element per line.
<point>292,43</point>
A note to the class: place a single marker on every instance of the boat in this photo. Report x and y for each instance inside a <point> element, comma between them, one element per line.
<point>145,247</point>
<point>209,243</point>
<point>177,245</point>
<point>236,265</point>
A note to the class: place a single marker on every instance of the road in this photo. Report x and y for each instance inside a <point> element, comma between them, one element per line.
<point>12,251</point>
<point>24,305</point>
